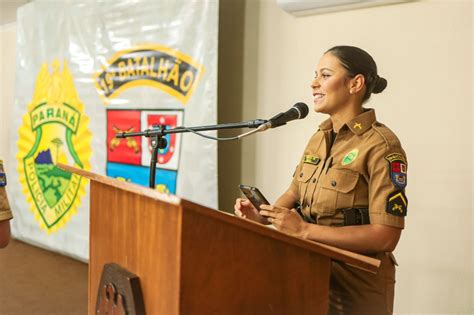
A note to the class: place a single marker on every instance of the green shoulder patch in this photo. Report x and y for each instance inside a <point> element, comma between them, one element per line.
<point>311,159</point>
<point>397,204</point>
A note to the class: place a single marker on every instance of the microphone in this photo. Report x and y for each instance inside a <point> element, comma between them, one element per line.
<point>298,111</point>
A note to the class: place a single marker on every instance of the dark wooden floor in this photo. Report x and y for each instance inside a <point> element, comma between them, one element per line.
<point>36,281</point>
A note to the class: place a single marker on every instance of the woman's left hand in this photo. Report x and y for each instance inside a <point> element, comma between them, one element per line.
<point>285,220</point>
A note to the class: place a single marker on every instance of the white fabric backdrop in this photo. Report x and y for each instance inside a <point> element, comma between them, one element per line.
<point>83,39</point>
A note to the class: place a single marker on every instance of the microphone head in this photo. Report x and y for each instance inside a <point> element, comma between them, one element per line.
<point>302,109</point>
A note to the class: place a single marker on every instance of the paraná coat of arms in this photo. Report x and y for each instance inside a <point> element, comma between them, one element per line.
<point>54,130</point>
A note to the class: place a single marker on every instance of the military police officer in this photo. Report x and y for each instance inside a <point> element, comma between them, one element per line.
<point>349,184</point>
<point>5,211</point>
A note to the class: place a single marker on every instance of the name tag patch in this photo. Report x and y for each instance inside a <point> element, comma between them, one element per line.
<point>311,159</point>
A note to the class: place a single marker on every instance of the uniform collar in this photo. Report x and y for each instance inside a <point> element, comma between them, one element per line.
<point>363,122</point>
<point>357,125</point>
<point>326,125</point>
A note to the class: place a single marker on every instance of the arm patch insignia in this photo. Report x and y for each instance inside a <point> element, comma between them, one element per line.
<point>3,177</point>
<point>398,170</point>
<point>397,204</point>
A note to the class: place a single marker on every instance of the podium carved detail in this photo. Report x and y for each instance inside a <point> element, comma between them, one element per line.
<point>111,302</point>
<point>119,292</point>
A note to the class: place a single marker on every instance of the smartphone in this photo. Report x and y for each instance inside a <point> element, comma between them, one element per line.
<point>254,195</point>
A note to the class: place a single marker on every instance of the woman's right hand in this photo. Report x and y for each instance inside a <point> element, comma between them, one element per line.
<point>244,209</point>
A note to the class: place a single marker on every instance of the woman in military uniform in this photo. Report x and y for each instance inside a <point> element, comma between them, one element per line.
<point>5,212</point>
<point>349,184</point>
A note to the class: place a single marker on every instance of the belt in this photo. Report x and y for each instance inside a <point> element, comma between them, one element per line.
<point>352,216</point>
<point>356,216</point>
<point>305,218</point>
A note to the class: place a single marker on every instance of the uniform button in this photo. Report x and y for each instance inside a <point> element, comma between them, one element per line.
<point>314,180</point>
<point>301,174</point>
<point>333,183</point>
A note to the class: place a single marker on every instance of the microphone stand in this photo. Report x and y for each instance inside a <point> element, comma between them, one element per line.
<point>158,141</point>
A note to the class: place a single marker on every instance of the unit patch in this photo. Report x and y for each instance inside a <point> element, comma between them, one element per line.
<point>398,169</point>
<point>350,157</point>
<point>3,177</point>
<point>311,159</point>
<point>397,204</point>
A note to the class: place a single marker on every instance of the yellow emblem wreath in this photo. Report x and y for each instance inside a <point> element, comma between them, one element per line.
<point>55,129</point>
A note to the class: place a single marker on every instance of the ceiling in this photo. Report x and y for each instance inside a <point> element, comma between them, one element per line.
<point>8,10</point>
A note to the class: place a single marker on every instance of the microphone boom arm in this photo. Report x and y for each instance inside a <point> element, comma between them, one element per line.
<point>298,111</point>
<point>152,132</point>
<point>159,142</point>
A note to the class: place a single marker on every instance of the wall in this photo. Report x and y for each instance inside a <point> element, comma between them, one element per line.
<point>7,84</point>
<point>424,49</point>
<point>472,165</point>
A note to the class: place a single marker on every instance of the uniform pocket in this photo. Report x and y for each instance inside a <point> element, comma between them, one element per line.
<point>303,178</point>
<point>307,171</point>
<point>337,190</point>
<point>340,180</point>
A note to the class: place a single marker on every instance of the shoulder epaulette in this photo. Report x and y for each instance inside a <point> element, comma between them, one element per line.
<point>387,135</point>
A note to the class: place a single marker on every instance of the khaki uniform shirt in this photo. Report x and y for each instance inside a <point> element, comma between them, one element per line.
<point>363,167</point>
<point>5,211</point>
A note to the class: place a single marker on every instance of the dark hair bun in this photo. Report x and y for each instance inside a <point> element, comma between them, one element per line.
<point>380,85</point>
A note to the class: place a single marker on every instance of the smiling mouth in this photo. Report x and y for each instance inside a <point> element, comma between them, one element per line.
<point>318,96</point>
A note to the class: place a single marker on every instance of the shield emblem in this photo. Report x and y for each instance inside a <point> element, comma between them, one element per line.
<point>169,121</point>
<point>399,174</point>
<point>168,158</point>
<point>54,131</point>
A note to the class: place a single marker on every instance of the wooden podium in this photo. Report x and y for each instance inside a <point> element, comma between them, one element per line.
<point>194,260</point>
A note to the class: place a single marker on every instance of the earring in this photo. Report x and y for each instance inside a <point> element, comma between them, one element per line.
<point>352,91</point>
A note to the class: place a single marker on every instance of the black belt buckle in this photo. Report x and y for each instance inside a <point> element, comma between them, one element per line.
<point>305,218</point>
<point>356,216</point>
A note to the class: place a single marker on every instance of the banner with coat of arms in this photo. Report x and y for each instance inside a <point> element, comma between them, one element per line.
<point>89,70</point>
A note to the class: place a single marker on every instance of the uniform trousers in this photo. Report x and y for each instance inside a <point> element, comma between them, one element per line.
<point>354,291</point>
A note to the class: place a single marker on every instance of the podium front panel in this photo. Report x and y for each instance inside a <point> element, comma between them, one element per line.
<point>141,235</point>
<point>230,270</point>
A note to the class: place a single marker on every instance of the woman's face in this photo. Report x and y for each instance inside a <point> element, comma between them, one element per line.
<point>330,85</point>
